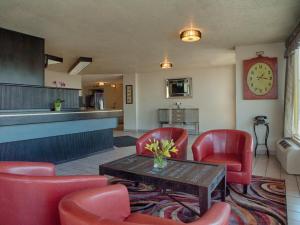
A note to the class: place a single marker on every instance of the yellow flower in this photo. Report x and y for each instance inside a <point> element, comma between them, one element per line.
<point>161,148</point>
<point>174,150</point>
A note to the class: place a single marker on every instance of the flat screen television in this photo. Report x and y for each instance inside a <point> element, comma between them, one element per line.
<point>179,87</point>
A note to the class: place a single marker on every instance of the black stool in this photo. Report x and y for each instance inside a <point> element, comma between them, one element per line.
<point>261,120</point>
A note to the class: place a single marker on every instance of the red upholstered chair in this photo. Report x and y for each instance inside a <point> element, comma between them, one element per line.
<point>179,136</point>
<point>30,192</point>
<point>110,206</point>
<point>232,147</point>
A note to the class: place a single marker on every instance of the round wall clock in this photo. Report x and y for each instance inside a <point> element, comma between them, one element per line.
<point>260,78</point>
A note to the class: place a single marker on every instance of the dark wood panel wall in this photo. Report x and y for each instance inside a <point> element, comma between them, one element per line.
<point>21,58</point>
<point>57,149</point>
<point>14,97</point>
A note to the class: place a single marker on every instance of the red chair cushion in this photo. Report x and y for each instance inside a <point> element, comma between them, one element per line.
<point>232,161</point>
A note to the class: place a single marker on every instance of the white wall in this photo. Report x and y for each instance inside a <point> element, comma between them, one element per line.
<point>113,97</point>
<point>246,110</point>
<point>130,110</point>
<point>213,94</point>
<point>71,81</point>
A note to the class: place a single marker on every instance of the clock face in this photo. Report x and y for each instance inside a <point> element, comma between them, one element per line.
<point>260,79</point>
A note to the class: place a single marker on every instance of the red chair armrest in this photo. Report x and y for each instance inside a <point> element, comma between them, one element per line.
<point>28,168</point>
<point>218,214</point>
<point>181,144</point>
<point>247,153</point>
<point>202,147</point>
<point>72,214</point>
<point>139,218</point>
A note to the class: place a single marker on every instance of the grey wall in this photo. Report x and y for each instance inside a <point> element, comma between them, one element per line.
<point>21,58</point>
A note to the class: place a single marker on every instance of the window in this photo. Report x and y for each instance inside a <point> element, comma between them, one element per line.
<point>296,97</point>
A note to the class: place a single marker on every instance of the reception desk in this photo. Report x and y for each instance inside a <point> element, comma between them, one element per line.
<point>55,136</point>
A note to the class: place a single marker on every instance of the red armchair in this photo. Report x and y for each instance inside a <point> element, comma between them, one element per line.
<point>30,193</point>
<point>232,147</point>
<point>179,136</point>
<point>110,206</point>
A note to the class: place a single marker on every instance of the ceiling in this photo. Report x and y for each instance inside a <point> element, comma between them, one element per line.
<point>127,36</point>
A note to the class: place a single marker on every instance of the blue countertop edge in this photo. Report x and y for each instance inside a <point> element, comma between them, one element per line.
<point>41,130</point>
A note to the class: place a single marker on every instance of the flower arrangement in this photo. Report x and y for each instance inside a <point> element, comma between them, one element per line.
<point>161,150</point>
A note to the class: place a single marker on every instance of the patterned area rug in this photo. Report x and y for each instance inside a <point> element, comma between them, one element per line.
<point>265,203</point>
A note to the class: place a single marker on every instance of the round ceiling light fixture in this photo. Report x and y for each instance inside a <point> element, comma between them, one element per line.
<point>166,65</point>
<point>190,35</point>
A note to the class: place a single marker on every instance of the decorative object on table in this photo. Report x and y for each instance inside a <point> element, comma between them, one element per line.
<point>265,204</point>
<point>179,88</point>
<point>261,120</point>
<point>57,104</point>
<point>129,94</point>
<point>260,80</point>
<point>161,150</point>
<point>178,135</point>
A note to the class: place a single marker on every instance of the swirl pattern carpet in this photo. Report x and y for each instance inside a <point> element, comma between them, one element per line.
<point>264,204</point>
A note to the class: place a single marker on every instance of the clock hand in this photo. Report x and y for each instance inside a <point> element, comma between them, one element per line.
<point>261,77</point>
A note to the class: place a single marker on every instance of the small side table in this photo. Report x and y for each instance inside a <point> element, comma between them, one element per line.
<point>266,136</point>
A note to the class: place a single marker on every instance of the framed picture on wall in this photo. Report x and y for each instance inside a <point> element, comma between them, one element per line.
<point>129,94</point>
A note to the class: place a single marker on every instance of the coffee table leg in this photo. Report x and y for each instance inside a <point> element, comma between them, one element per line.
<point>223,189</point>
<point>204,200</point>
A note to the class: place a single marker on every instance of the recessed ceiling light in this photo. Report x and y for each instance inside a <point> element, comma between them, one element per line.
<point>101,83</point>
<point>79,65</point>
<point>190,35</point>
<point>166,65</point>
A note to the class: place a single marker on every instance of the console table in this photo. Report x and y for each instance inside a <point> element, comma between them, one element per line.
<point>183,117</point>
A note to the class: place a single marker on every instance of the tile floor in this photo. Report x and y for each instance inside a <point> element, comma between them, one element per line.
<point>262,166</point>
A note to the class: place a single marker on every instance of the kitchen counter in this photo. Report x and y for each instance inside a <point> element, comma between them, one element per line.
<point>9,118</point>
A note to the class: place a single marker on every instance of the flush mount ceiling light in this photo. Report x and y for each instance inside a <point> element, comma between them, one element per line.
<point>166,65</point>
<point>190,35</point>
<point>51,59</point>
<point>101,83</point>
<point>80,64</point>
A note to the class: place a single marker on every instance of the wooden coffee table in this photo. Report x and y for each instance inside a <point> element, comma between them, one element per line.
<point>185,176</point>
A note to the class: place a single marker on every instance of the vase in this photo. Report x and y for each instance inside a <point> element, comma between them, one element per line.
<point>160,162</point>
<point>57,106</point>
